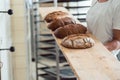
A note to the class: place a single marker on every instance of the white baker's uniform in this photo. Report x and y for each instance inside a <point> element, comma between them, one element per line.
<point>102,18</point>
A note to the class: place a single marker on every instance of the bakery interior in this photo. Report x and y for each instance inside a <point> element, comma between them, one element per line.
<point>30,48</point>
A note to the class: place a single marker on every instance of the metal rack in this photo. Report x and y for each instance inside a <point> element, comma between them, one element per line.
<point>43,46</point>
<point>53,51</point>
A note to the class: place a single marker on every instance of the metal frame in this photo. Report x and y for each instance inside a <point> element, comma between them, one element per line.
<point>37,25</point>
<point>33,21</point>
<point>34,24</point>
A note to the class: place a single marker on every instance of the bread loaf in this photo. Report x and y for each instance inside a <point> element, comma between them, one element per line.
<point>60,23</point>
<point>54,15</point>
<point>69,29</point>
<point>78,41</point>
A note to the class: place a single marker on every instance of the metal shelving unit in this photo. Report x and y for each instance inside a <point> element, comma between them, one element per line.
<point>44,50</point>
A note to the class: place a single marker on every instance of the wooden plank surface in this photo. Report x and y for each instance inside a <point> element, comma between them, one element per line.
<point>95,63</point>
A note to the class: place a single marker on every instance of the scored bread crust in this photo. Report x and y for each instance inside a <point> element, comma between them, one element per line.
<point>55,15</point>
<point>69,29</point>
<point>56,23</point>
<point>78,41</point>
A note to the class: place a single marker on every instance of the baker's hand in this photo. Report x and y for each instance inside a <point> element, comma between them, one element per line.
<point>112,45</point>
<point>115,43</point>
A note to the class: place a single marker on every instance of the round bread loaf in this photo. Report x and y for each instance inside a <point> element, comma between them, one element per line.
<point>78,41</point>
<point>69,29</point>
<point>54,15</point>
<point>60,23</point>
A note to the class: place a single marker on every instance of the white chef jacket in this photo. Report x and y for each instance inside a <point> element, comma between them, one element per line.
<point>102,18</point>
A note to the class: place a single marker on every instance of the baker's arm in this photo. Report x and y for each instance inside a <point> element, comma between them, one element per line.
<point>115,43</point>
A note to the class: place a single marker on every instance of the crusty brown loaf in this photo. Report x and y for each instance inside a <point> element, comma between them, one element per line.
<point>78,41</point>
<point>60,23</point>
<point>54,15</point>
<point>69,29</point>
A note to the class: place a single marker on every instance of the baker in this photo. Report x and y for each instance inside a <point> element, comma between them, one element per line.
<point>103,20</point>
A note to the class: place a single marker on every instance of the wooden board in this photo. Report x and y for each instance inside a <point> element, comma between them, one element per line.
<point>95,63</point>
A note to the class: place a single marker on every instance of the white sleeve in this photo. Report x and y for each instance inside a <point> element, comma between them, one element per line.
<point>116,17</point>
